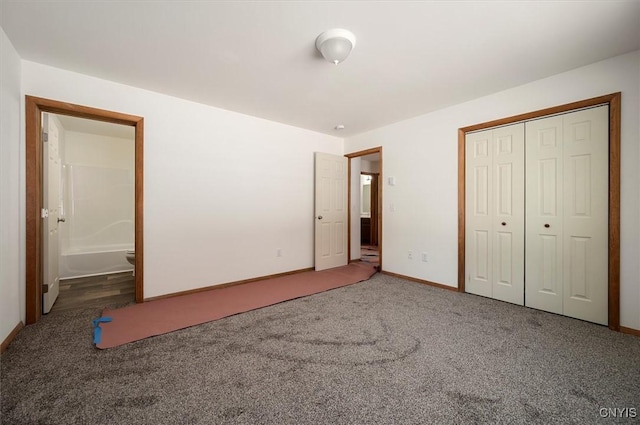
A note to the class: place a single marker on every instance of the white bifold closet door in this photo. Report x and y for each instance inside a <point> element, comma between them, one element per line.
<point>567,192</point>
<point>494,236</point>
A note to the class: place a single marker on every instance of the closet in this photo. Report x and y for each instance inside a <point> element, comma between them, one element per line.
<point>536,213</point>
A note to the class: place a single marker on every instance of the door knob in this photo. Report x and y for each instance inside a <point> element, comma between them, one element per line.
<point>547,226</point>
<point>319,217</point>
<point>61,220</point>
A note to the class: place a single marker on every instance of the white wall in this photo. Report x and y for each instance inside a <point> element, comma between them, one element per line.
<point>370,166</point>
<point>98,150</point>
<point>11,275</point>
<point>422,154</point>
<point>222,190</point>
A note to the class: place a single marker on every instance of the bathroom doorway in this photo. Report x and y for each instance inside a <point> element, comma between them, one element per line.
<point>369,214</point>
<point>365,206</point>
<point>38,220</point>
<point>88,182</point>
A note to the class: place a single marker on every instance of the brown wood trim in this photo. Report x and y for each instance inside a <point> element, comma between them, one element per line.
<point>10,337</point>
<point>33,242</point>
<point>34,107</point>
<point>380,194</point>
<point>139,210</point>
<point>380,208</point>
<point>349,210</point>
<point>461,210</point>
<point>364,153</point>
<point>614,101</point>
<point>424,282</point>
<point>80,111</point>
<point>542,112</point>
<point>614,212</point>
<point>226,285</point>
<point>629,331</point>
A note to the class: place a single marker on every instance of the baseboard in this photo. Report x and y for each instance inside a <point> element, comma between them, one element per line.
<point>10,337</point>
<point>630,331</point>
<point>226,285</point>
<point>96,274</point>
<point>424,282</point>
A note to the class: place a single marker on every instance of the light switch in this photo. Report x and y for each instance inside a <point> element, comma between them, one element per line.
<point>392,181</point>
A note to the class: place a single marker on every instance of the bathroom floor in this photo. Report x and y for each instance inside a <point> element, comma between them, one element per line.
<point>370,254</point>
<point>95,291</point>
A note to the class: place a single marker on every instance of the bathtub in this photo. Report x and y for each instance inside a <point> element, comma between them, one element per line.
<point>93,262</point>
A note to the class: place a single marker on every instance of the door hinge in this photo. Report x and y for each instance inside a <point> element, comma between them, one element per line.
<point>44,213</point>
<point>45,137</point>
<point>45,288</point>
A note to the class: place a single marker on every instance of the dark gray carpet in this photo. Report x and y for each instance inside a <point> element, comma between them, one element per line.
<point>378,352</point>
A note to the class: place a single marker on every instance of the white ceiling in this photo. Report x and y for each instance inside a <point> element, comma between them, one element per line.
<point>259,57</point>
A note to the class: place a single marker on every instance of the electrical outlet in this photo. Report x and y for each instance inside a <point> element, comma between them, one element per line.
<point>279,252</point>
<point>410,255</point>
<point>424,257</point>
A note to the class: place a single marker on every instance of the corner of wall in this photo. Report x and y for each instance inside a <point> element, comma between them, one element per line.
<point>11,204</point>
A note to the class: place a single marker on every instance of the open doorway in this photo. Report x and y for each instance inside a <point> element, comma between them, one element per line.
<point>88,236</point>
<point>369,212</point>
<point>365,206</point>
<point>35,209</point>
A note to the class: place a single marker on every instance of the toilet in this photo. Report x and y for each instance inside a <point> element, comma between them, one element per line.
<point>131,258</point>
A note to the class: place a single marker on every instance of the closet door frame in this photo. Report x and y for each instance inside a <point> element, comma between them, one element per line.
<point>613,100</point>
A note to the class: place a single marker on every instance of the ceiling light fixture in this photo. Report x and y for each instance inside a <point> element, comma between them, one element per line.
<point>336,44</point>
<point>339,127</point>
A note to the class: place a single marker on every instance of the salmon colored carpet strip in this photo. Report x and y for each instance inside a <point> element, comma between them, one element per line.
<point>139,321</point>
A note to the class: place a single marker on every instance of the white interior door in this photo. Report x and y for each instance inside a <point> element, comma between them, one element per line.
<point>508,219</point>
<point>495,213</point>
<point>544,232</point>
<point>479,213</point>
<point>330,211</point>
<point>586,209</point>
<point>567,214</point>
<point>51,202</point>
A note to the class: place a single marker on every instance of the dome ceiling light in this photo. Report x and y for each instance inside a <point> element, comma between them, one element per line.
<point>336,44</point>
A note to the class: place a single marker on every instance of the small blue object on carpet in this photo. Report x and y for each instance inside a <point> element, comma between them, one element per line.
<point>97,331</point>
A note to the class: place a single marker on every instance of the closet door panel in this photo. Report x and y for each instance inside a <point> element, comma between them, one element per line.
<point>544,229</point>
<point>585,253</point>
<point>508,221</point>
<point>478,213</point>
